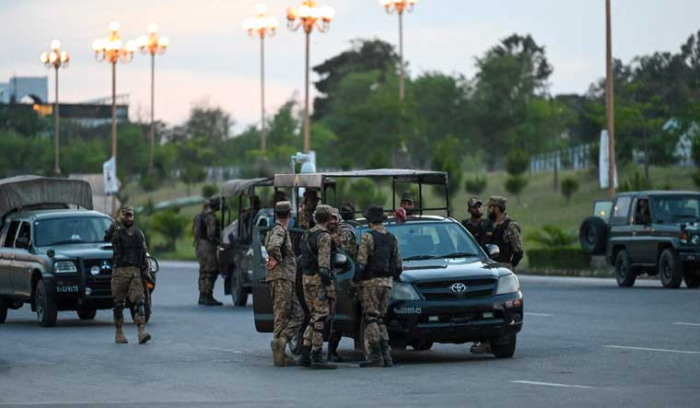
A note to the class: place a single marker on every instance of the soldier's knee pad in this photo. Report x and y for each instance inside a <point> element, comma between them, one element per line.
<point>141,306</point>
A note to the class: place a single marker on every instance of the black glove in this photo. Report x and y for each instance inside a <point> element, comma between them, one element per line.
<point>359,271</point>
<point>517,257</point>
<point>325,276</point>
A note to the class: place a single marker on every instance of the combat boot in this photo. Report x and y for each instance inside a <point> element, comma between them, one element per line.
<point>305,357</point>
<point>202,298</point>
<point>120,338</point>
<point>374,359</point>
<point>143,335</point>
<point>277,356</point>
<point>210,301</point>
<point>288,361</point>
<point>386,353</point>
<point>319,363</point>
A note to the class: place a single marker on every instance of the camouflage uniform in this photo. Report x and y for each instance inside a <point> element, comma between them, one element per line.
<point>316,294</point>
<point>205,248</point>
<point>130,261</point>
<point>306,219</point>
<point>286,306</point>
<point>506,235</point>
<point>483,230</point>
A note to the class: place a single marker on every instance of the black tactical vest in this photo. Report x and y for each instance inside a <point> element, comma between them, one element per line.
<point>130,248</point>
<point>382,263</point>
<point>506,251</point>
<point>308,261</point>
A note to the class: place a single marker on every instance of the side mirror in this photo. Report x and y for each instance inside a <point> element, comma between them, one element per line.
<point>341,260</point>
<point>153,264</point>
<point>493,250</point>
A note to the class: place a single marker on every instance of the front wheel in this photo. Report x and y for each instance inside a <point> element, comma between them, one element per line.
<point>86,314</point>
<point>503,347</point>
<point>692,281</point>
<point>670,269</point>
<point>46,310</point>
<point>624,274</point>
<point>238,293</point>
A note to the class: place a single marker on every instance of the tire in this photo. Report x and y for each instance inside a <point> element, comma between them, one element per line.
<point>593,235</point>
<point>238,293</point>
<point>86,314</point>
<point>46,310</point>
<point>418,345</point>
<point>624,274</point>
<point>670,269</point>
<point>504,348</point>
<point>3,311</point>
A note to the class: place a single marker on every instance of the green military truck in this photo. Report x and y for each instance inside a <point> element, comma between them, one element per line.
<point>647,232</point>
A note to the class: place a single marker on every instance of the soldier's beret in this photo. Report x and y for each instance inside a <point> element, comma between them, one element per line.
<point>473,202</point>
<point>283,207</point>
<point>498,201</point>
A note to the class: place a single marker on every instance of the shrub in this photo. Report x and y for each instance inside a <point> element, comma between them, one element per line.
<point>150,182</point>
<point>552,236</point>
<point>636,183</point>
<point>569,186</point>
<point>517,162</point>
<point>170,224</point>
<point>476,185</point>
<point>558,258</point>
<point>515,185</point>
<point>208,190</point>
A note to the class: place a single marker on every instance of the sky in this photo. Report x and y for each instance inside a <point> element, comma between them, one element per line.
<point>212,60</point>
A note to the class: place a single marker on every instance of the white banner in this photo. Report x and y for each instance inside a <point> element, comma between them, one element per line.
<point>109,172</point>
<point>603,161</point>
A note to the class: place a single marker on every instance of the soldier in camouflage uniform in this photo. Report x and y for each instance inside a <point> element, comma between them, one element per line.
<point>206,247</point>
<point>408,202</point>
<point>306,218</point>
<point>346,232</point>
<point>316,263</point>
<point>335,335</point>
<point>281,276</point>
<point>480,228</point>
<point>378,263</point>
<point>130,262</point>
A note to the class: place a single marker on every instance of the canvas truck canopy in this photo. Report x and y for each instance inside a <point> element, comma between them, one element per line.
<point>318,180</point>
<point>25,191</point>
<point>238,187</point>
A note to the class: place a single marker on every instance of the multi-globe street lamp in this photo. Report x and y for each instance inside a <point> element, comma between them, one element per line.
<point>56,59</point>
<point>153,45</point>
<point>399,7</point>
<point>310,16</point>
<point>261,26</point>
<point>112,50</point>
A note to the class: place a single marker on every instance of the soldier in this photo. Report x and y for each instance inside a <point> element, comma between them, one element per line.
<point>408,202</point>
<point>346,238</point>
<point>130,264</point>
<point>207,240</point>
<point>281,276</point>
<point>480,228</point>
<point>311,200</point>
<point>506,233</point>
<point>316,264</point>
<point>338,242</point>
<point>378,263</point>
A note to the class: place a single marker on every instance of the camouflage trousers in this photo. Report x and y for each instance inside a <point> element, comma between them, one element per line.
<point>127,285</point>
<point>375,301</point>
<point>208,266</point>
<point>286,307</point>
<point>318,301</point>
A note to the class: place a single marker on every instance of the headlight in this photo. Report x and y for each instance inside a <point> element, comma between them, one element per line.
<point>404,291</point>
<point>64,267</point>
<point>508,284</point>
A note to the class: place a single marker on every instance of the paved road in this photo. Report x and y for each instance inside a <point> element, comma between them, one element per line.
<point>585,343</point>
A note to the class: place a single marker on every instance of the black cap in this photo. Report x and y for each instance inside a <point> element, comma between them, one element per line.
<point>375,214</point>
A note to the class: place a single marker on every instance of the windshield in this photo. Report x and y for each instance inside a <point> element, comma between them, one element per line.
<point>675,209</point>
<point>433,240</point>
<point>73,230</point>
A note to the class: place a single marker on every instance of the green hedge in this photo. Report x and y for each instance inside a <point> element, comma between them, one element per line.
<point>558,258</point>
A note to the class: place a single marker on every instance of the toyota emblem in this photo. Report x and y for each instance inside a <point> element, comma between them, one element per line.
<point>458,288</point>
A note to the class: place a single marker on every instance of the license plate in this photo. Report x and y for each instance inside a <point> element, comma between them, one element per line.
<point>67,289</point>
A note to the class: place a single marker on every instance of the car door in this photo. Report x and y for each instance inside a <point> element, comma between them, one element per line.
<point>262,301</point>
<point>637,232</point>
<point>21,274</point>
<point>6,257</point>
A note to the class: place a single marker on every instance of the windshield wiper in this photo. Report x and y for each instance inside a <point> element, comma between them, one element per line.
<point>419,257</point>
<point>70,241</point>
<point>457,255</point>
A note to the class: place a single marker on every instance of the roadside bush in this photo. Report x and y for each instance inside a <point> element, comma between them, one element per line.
<point>552,236</point>
<point>476,185</point>
<point>515,185</point>
<point>637,182</point>
<point>170,225</point>
<point>558,258</point>
<point>150,182</point>
<point>517,162</point>
<point>208,190</point>
<point>569,186</point>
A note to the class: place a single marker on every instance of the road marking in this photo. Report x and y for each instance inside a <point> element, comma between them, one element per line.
<point>219,349</point>
<point>544,384</point>
<point>653,349</point>
<point>687,324</point>
<point>538,314</point>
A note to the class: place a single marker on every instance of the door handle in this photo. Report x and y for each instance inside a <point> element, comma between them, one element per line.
<point>262,281</point>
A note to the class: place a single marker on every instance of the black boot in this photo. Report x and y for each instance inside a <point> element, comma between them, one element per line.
<point>386,353</point>
<point>319,363</point>
<point>305,358</point>
<point>333,344</point>
<point>374,359</point>
<point>202,298</point>
<point>210,301</point>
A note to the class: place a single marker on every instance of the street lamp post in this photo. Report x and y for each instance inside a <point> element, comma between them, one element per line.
<point>261,26</point>
<point>310,16</point>
<point>399,6</point>
<point>153,45</point>
<point>112,50</point>
<point>56,59</point>
<point>610,101</point>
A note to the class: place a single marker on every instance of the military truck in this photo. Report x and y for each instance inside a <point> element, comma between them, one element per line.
<point>451,291</point>
<point>656,233</point>
<point>53,255</point>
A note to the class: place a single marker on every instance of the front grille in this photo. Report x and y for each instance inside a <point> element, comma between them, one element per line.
<point>475,289</point>
<point>459,318</point>
<point>101,284</point>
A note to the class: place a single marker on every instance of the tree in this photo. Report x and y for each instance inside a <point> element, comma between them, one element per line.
<point>476,185</point>
<point>171,225</point>
<point>517,163</point>
<point>211,123</point>
<point>445,158</point>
